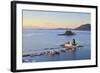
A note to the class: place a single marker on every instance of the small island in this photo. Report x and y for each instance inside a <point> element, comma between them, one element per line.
<point>83,27</point>
<point>68,33</point>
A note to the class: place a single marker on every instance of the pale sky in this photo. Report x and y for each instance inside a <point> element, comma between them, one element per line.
<point>51,19</point>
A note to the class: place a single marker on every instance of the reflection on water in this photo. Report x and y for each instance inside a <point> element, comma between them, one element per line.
<point>44,45</point>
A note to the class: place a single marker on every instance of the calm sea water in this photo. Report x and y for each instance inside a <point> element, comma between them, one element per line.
<point>37,40</point>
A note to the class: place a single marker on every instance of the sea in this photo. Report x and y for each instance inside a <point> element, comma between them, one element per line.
<point>35,41</point>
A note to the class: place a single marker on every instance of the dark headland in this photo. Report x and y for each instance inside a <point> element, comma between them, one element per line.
<point>69,32</point>
<point>84,27</point>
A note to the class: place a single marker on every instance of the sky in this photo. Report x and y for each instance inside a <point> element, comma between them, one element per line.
<point>54,19</point>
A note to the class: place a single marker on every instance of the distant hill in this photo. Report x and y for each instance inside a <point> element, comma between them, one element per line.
<point>84,27</point>
<point>63,28</point>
